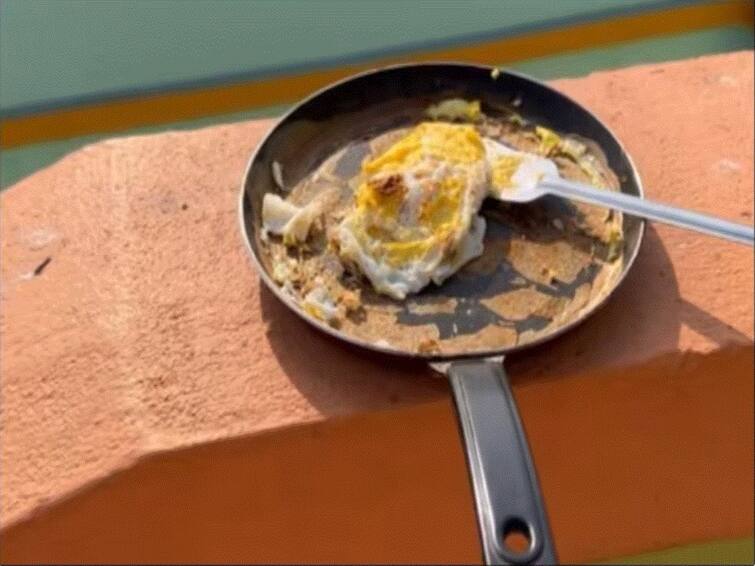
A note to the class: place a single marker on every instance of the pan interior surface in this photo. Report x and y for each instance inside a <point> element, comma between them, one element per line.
<point>546,265</point>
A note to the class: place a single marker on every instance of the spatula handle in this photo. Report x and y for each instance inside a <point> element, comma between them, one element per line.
<point>644,208</point>
<point>507,495</point>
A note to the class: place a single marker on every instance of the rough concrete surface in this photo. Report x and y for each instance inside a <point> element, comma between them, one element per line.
<point>133,322</point>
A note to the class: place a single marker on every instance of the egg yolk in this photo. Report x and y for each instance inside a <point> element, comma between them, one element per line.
<point>452,143</point>
<point>436,214</point>
<point>503,169</point>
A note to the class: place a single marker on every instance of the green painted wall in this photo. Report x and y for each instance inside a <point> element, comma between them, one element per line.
<point>54,49</point>
<point>18,163</point>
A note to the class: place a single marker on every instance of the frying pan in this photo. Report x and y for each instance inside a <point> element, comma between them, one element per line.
<point>504,482</point>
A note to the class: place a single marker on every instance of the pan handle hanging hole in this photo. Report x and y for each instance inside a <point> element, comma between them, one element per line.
<point>516,536</point>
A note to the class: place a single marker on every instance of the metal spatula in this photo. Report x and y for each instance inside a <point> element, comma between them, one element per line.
<point>633,205</point>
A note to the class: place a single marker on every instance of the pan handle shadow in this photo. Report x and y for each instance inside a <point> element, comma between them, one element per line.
<point>643,313</point>
<point>644,317</point>
<point>336,377</point>
<point>708,325</point>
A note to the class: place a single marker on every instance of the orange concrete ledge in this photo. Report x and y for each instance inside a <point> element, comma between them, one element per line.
<point>158,405</point>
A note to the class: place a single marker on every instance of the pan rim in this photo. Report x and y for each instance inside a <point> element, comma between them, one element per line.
<point>432,356</point>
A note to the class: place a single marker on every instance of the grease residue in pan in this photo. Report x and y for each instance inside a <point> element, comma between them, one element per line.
<point>543,263</point>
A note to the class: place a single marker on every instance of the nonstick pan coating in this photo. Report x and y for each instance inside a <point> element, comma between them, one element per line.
<point>376,101</point>
<point>503,477</point>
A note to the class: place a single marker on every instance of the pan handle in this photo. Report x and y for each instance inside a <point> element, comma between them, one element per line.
<point>507,496</point>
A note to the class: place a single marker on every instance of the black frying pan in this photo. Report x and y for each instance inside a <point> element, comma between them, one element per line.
<point>504,481</point>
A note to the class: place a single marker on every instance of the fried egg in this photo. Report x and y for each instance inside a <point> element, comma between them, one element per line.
<point>285,219</point>
<point>415,215</point>
<point>415,207</point>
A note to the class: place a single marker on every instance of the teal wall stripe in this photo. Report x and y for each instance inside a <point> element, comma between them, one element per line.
<point>76,35</point>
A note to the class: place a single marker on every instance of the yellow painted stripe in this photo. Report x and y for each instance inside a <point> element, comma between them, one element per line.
<point>222,99</point>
